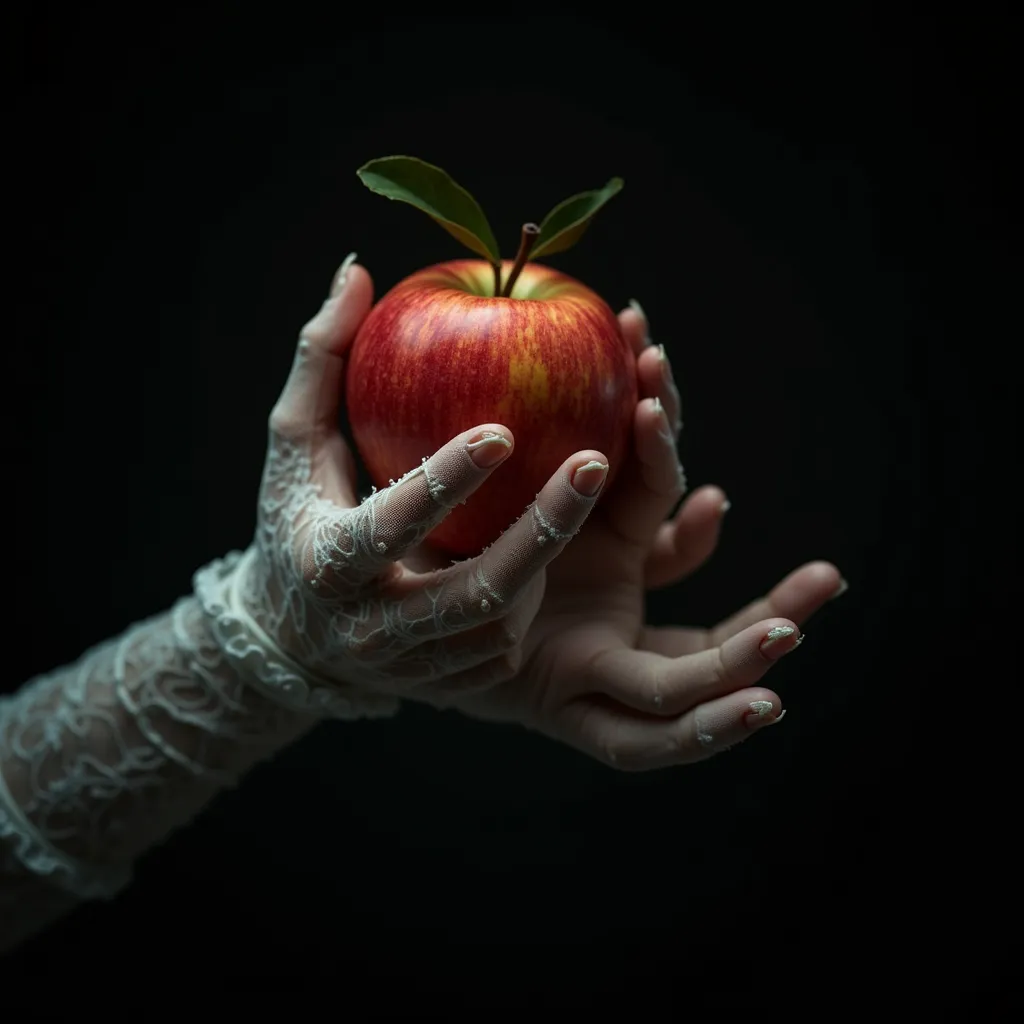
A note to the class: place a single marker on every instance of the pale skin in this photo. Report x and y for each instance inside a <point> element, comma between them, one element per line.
<point>575,659</point>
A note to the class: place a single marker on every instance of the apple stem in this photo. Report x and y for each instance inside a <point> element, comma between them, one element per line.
<point>526,243</point>
<point>497,278</point>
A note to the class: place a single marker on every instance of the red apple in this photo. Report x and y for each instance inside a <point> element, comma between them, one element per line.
<point>440,353</point>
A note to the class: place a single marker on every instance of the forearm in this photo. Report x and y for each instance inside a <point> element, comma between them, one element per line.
<point>103,758</point>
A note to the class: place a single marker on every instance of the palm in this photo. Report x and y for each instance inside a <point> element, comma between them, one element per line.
<point>594,674</point>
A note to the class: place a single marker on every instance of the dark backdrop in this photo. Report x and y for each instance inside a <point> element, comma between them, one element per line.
<point>810,222</point>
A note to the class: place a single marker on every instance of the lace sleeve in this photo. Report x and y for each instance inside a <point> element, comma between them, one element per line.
<point>102,759</point>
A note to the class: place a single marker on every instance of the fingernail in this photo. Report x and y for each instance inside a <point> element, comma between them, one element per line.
<point>589,478</point>
<point>842,589</point>
<point>668,377</point>
<point>665,431</point>
<point>774,644</point>
<point>341,277</point>
<point>639,310</point>
<point>724,507</point>
<point>761,713</point>
<point>666,366</point>
<point>487,448</point>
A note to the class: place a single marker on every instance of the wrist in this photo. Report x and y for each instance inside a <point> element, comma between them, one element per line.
<point>224,591</point>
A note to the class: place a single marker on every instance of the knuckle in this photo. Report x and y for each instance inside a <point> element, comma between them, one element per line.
<point>282,423</point>
<point>324,557</point>
<point>722,675</point>
<point>370,645</point>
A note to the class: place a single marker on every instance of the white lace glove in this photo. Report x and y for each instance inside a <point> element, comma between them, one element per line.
<point>320,613</point>
<point>101,759</point>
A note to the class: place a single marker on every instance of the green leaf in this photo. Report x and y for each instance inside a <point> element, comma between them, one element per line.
<point>562,227</point>
<point>429,189</point>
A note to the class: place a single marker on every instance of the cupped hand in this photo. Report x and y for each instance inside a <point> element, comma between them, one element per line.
<point>595,676</point>
<point>327,581</point>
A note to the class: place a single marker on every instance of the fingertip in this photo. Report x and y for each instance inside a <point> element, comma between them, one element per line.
<point>712,500</point>
<point>589,472</point>
<point>702,510</point>
<point>777,637</point>
<point>649,372</point>
<point>824,574</point>
<point>587,455</point>
<point>760,707</point>
<point>747,656</point>
<point>721,723</point>
<point>488,446</point>
<point>354,299</point>
<point>492,429</point>
<point>331,331</point>
<point>341,275</point>
<point>634,327</point>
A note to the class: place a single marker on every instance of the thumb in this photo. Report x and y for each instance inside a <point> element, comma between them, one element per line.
<point>307,411</point>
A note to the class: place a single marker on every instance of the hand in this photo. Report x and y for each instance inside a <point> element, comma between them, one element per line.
<point>325,588</point>
<point>594,675</point>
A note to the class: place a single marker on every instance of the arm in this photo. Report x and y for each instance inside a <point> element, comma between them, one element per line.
<point>102,759</point>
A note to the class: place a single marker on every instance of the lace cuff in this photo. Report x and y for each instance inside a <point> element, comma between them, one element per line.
<point>34,852</point>
<point>100,760</point>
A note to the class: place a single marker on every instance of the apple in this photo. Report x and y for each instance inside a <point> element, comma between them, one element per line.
<point>440,353</point>
<point>476,341</point>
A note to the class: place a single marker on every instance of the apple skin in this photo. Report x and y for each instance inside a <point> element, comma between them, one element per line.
<point>439,354</point>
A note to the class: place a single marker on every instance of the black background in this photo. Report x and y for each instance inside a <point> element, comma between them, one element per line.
<point>811,221</point>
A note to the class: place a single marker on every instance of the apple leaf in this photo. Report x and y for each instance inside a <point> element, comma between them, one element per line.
<point>562,227</point>
<point>429,189</point>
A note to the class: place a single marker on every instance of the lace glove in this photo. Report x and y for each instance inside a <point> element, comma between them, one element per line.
<point>319,616</point>
<point>322,613</point>
<point>102,759</point>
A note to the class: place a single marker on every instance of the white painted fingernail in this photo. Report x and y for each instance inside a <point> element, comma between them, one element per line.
<point>589,478</point>
<point>842,589</point>
<point>761,713</point>
<point>488,448</point>
<point>341,277</point>
<point>724,507</point>
<point>772,644</point>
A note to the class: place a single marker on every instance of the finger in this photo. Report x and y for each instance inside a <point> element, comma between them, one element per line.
<point>654,371</point>
<point>623,740</point>
<point>307,410</point>
<point>802,593</point>
<point>796,598</point>
<point>392,521</point>
<point>494,649</point>
<point>651,483</point>
<point>480,589</point>
<point>633,322</point>
<point>685,543</point>
<point>660,684</point>
<point>655,377</point>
